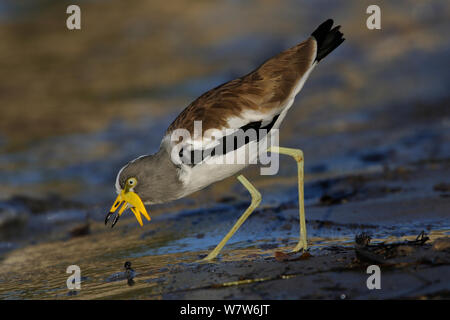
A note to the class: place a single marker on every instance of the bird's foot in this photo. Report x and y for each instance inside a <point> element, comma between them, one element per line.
<point>301,245</point>
<point>207,259</point>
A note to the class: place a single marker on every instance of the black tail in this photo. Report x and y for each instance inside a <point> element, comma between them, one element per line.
<point>327,39</point>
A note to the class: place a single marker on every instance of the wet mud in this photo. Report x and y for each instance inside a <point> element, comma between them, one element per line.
<point>256,263</point>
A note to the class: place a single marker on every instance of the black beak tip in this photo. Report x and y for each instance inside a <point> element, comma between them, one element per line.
<point>108,216</point>
<point>116,218</point>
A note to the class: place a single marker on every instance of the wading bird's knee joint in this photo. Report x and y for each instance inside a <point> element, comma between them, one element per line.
<point>256,198</point>
<point>298,155</point>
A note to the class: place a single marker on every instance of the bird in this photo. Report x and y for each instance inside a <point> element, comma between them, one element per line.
<point>197,145</point>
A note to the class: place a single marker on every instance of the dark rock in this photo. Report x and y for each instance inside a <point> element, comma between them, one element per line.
<point>442,187</point>
<point>80,230</point>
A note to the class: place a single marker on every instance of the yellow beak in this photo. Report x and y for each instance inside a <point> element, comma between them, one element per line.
<point>128,199</point>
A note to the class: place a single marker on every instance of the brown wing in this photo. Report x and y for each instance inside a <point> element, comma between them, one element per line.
<point>264,90</point>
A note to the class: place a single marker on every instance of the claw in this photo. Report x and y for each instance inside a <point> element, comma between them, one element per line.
<point>108,216</point>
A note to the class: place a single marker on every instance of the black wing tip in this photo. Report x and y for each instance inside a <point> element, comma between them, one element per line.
<point>329,22</point>
<point>328,38</point>
<point>323,28</point>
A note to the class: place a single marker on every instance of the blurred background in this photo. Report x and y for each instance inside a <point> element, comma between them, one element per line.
<point>77,105</point>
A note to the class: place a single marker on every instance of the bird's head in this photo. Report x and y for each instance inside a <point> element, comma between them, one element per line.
<point>148,179</point>
<point>131,182</point>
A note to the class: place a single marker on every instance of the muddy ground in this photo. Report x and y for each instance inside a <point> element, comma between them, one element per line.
<point>392,206</point>
<point>373,121</point>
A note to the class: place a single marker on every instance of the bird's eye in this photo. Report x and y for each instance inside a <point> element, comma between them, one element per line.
<point>131,182</point>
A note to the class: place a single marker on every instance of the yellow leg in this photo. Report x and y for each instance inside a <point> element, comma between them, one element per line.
<point>256,199</point>
<point>297,154</point>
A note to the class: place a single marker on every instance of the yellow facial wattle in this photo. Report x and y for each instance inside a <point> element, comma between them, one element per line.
<point>128,199</point>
